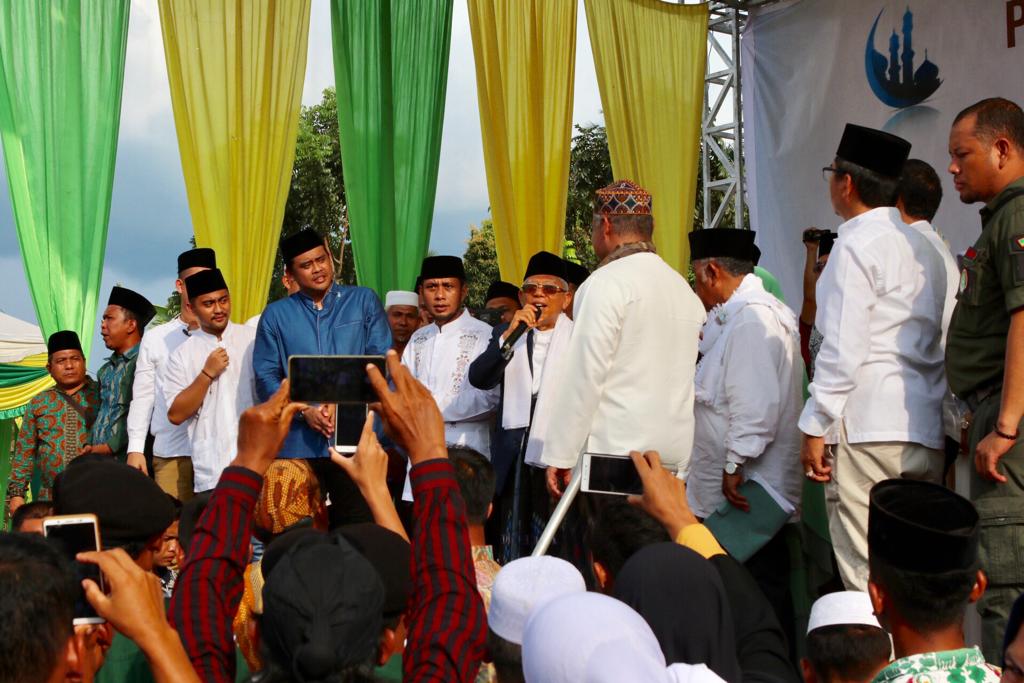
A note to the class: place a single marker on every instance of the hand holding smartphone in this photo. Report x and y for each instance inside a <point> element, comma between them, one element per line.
<point>613,474</point>
<point>73,534</point>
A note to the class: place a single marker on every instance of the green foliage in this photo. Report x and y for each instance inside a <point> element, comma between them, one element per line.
<point>316,198</point>
<point>590,169</point>
<point>481,262</point>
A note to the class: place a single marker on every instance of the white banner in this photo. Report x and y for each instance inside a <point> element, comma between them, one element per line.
<point>811,66</point>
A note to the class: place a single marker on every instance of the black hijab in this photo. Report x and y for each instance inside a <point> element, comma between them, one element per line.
<point>682,598</point>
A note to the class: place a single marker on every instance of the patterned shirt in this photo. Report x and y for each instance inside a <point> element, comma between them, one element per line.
<point>111,426</point>
<point>51,434</point>
<point>951,666</point>
<point>486,570</point>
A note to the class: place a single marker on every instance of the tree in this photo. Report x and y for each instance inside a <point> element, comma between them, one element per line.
<point>481,262</point>
<point>590,169</point>
<point>316,198</point>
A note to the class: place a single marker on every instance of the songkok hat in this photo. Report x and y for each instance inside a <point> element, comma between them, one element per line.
<point>575,274</point>
<point>322,607</point>
<point>546,263</point>
<point>65,340</point>
<point>826,243</point>
<point>203,257</point>
<point>190,514</point>
<point>204,282</point>
<point>130,506</point>
<point>723,243</point>
<point>500,289</point>
<point>400,298</point>
<point>134,302</point>
<point>875,150</point>
<point>300,243</point>
<point>921,527</point>
<point>623,198</point>
<point>846,608</point>
<point>441,267</point>
<point>390,555</point>
<point>524,585</point>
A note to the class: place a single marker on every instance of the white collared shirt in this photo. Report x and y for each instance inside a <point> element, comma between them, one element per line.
<point>628,382</point>
<point>881,301</point>
<point>148,411</point>
<point>213,430</point>
<point>752,421</point>
<point>440,358</point>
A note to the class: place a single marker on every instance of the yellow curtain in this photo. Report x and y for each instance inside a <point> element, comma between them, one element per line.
<point>236,69</point>
<point>14,397</point>
<point>525,54</point>
<point>650,59</point>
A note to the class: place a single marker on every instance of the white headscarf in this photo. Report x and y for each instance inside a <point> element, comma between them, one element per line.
<point>592,638</point>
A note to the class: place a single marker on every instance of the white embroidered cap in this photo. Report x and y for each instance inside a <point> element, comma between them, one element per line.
<point>523,585</point>
<point>400,298</point>
<point>842,609</point>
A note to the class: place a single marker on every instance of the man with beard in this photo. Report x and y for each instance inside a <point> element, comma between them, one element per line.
<point>439,355</point>
<point>403,310</point>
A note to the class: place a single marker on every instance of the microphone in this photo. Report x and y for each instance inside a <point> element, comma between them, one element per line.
<point>521,328</point>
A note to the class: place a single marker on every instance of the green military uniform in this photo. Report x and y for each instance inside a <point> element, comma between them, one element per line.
<point>991,289</point>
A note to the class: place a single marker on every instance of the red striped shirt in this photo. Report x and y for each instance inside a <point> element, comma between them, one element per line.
<point>447,622</point>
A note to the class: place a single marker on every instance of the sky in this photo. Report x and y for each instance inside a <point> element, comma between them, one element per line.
<point>149,216</point>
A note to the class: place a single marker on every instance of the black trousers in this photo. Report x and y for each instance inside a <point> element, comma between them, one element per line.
<point>347,505</point>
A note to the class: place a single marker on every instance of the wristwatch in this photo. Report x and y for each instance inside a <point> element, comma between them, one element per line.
<point>732,467</point>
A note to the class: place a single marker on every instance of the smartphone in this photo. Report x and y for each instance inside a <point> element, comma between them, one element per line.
<point>614,474</point>
<point>73,534</point>
<point>332,379</point>
<point>348,427</point>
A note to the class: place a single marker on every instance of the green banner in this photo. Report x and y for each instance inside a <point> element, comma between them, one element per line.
<point>391,73</point>
<point>61,72</point>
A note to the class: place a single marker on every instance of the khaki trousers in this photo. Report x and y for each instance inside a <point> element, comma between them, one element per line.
<point>174,477</point>
<point>855,469</point>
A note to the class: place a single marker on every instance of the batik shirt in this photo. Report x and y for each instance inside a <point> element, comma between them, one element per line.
<point>486,571</point>
<point>951,666</point>
<point>111,426</point>
<point>52,432</point>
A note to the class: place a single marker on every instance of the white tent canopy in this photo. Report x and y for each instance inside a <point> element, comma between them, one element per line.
<point>19,339</point>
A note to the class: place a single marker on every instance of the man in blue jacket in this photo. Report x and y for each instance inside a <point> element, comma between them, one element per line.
<point>325,319</point>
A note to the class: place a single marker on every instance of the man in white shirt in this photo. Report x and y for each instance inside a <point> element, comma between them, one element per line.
<point>630,363</point>
<point>878,380</point>
<point>172,462</point>
<point>439,355</point>
<point>920,193</point>
<point>748,395</point>
<point>527,374</point>
<point>210,378</point>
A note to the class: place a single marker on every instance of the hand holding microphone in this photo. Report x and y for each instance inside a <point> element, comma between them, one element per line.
<point>523,320</point>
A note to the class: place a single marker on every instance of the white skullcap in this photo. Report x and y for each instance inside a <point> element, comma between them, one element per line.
<point>590,638</point>
<point>400,298</point>
<point>523,585</point>
<point>846,608</point>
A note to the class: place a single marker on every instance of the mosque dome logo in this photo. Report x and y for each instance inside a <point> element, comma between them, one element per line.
<point>894,80</point>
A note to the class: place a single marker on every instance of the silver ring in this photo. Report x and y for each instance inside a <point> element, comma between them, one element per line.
<point>809,474</point>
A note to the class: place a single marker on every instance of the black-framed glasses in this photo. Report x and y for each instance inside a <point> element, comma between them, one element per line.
<point>533,288</point>
<point>830,169</point>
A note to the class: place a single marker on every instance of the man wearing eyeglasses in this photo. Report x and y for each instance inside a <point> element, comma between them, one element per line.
<point>439,354</point>
<point>526,378</point>
<point>878,377</point>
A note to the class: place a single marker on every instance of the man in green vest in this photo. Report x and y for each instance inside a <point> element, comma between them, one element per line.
<point>985,345</point>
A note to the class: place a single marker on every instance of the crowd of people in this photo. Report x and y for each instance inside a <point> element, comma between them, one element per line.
<point>237,543</point>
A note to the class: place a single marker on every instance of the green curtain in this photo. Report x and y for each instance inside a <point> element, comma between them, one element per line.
<point>391,73</point>
<point>61,72</point>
